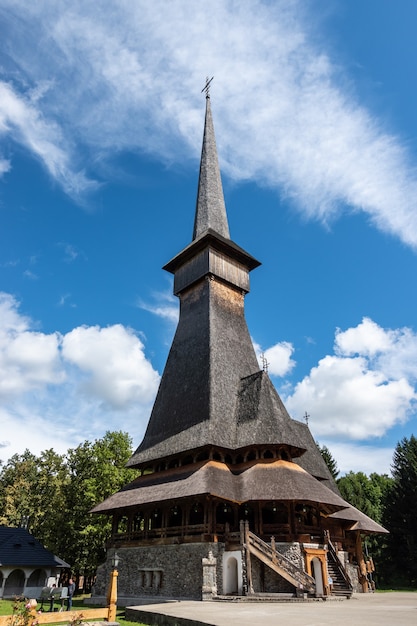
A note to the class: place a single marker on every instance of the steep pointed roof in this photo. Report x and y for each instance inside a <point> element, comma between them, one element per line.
<point>212,392</point>
<point>210,210</point>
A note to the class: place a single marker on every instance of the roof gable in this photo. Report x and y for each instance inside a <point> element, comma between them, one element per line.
<point>19,547</point>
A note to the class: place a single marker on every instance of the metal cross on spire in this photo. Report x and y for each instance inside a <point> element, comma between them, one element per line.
<point>206,87</point>
<point>265,363</point>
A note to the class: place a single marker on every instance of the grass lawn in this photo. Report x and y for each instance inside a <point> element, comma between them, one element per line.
<point>6,608</point>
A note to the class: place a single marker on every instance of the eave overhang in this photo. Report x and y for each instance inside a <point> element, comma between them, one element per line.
<point>212,239</point>
<point>253,481</point>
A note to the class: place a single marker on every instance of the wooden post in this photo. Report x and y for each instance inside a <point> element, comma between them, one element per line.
<point>112,596</point>
<point>273,548</point>
<point>361,563</point>
<point>33,604</point>
<point>248,559</point>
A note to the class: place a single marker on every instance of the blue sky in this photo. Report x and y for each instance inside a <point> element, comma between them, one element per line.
<point>101,122</point>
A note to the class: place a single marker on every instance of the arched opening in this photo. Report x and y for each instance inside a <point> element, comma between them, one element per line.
<point>224,514</point>
<point>306,515</point>
<point>239,459</point>
<point>217,456</point>
<point>37,578</point>
<point>155,519</point>
<point>251,456</point>
<point>285,456</point>
<point>275,513</point>
<point>175,516</point>
<point>138,522</point>
<point>203,456</point>
<point>268,454</point>
<point>196,516</point>
<point>318,576</point>
<point>247,514</point>
<point>230,577</point>
<point>14,584</point>
<point>188,460</point>
<point>122,524</point>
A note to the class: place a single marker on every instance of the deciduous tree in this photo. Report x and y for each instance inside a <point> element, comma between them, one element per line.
<point>54,494</point>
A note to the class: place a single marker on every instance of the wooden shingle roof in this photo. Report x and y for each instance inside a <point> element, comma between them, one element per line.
<point>18,547</point>
<point>359,521</point>
<point>253,481</point>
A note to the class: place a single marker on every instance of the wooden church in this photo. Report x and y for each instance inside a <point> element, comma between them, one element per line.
<point>233,496</point>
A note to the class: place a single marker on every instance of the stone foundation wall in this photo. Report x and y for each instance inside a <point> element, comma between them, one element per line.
<point>174,571</point>
<point>293,552</point>
<point>265,580</point>
<point>353,572</point>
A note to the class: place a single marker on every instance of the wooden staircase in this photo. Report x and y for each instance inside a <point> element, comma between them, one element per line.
<point>342,585</point>
<point>278,563</point>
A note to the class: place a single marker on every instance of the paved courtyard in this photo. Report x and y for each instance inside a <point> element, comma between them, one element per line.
<point>379,609</point>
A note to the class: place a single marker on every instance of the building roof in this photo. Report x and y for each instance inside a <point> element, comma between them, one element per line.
<point>359,521</point>
<point>212,392</point>
<point>312,460</point>
<point>210,210</point>
<point>18,548</point>
<point>252,481</point>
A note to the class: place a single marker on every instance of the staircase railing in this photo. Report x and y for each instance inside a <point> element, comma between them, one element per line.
<point>278,562</point>
<point>339,564</point>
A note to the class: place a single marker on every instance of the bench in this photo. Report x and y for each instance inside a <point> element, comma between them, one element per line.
<point>53,594</point>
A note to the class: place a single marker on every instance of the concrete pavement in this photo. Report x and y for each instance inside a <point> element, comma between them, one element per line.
<point>378,609</point>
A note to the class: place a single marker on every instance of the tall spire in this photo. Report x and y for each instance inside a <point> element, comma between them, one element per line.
<point>210,210</point>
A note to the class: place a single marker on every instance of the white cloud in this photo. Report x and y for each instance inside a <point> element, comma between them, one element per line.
<point>363,390</point>
<point>28,359</point>
<point>351,457</point>
<point>24,122</point>
<point>392,351</point>
<point>12,321</point>
<point>30,275</point>
<point>113,357</point>
<point>165,305</point>
<point>70,252</point>
<point>77,385</point>
<point>5,166</point>
<point>367,338</point>
<point>277,357</point>
<point>123,78</point>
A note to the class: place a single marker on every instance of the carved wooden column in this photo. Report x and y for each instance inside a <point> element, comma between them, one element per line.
<point>209,590</point>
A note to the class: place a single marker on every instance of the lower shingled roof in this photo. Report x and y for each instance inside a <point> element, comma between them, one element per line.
<point>268,480</point>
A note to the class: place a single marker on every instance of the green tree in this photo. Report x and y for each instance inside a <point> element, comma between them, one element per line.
<point>400,515</point>
<point>96,470</point>
<point>369,494</point>
<point>329,460</point>
<point>30,488</point>
<point>54,495</point>
<point>366,493</point>
<point>17,482</point>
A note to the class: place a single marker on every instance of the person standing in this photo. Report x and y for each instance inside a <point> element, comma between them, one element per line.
<point>71,590</point>
<point>51,598</point>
